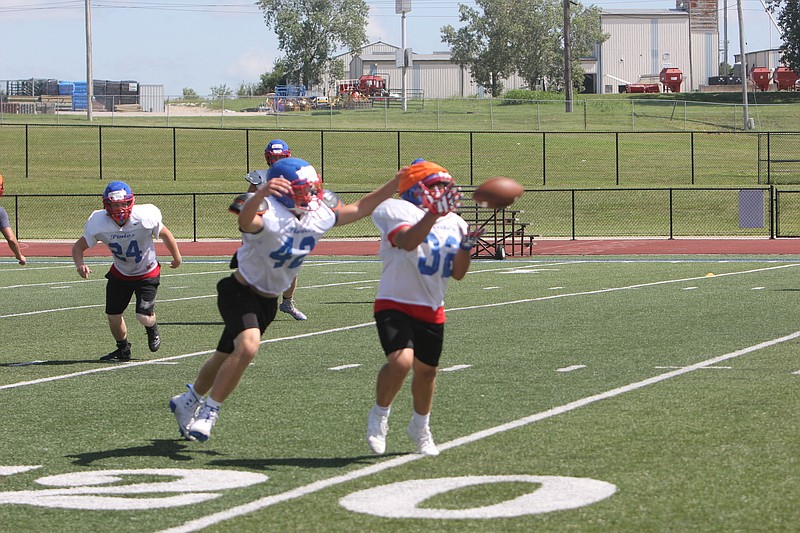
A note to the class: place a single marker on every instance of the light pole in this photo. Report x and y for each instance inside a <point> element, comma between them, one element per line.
<point>89,76</point>
<point>567,59</point>
<point>401,8</point>
<point>747,124</point>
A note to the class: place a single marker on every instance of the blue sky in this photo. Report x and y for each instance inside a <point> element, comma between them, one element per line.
<point>200,44</point>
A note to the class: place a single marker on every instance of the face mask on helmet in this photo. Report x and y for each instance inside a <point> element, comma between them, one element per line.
<point>275,151</point>
<point>307,188</point>
<point>118,201</point>
<point>416,192</point>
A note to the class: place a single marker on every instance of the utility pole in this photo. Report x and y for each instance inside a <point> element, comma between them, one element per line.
<point>567,59</point>
<point>402,7</point>
<point>89,76</point>
<point>747,124</point>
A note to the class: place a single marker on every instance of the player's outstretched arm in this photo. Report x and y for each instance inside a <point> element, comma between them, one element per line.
<point>13,243</point>
<point>172,245</point>
<point>78,250</point>
<point>367,204</point>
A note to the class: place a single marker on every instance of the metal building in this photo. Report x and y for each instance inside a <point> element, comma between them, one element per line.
<point>641,42</point>
<point>429,76</point>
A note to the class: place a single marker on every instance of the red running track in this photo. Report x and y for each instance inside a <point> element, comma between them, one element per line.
<point>540,247</point>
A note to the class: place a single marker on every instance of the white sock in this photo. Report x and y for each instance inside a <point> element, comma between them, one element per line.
<point>382,411</point>
<point>421,421</point>
<point>213,405</point>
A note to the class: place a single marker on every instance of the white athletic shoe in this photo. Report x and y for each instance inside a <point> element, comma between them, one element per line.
<point>377,428</point>
<point>287,306</point>
<point>203,423</point>
<point>421,436</point>
<point>184,407</point>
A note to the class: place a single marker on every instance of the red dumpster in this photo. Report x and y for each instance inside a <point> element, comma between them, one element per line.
<point>672,79</point>
<point>785,78</point>
<point>761,77</point>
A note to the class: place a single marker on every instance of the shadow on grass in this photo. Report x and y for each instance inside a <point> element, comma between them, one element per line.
<point>173,449</point>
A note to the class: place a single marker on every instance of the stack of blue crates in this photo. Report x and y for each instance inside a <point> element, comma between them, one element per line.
<point>80,96</point>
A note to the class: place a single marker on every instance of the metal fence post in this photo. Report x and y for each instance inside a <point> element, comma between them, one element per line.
<point>616,153</point>
<point>670,215</point>
<point>773,212</point>
<point>100,147</point>
<point>573,214</point>
<point>174,154</point>
<point>544,158</point>
<point>691,141</point>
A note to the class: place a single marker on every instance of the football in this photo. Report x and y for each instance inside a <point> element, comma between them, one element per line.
<point>497,192</point>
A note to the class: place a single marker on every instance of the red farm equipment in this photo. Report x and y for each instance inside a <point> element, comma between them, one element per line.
<point>785,79</point>
<point>671,78</point>
<point>761,76</point>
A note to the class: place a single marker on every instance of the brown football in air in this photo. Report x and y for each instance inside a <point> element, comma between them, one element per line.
<point>497,192</point>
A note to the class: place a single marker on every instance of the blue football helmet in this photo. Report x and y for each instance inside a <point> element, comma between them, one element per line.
<point>118,201</point>
<point>307,189</point>
<point>276,150</point>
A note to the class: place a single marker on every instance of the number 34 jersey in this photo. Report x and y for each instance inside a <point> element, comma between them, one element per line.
<point>132,243</point>
<point>419,276</point>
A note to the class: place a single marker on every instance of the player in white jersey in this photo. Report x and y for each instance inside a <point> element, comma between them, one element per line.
<point>275,150</point>
<point>8,233</point>
<point>424,243</point>
<point>281,222</point>
<point>128,230</point>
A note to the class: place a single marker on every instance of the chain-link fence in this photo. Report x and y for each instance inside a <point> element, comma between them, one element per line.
<point>212,159</point>
<point>562,213</point>
<point>599,113</point>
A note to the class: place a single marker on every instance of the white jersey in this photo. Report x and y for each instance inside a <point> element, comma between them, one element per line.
<point>418,276</point>
<point>132,244</point>
<point>270,259</point>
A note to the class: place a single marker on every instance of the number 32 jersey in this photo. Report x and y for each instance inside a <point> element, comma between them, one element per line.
<point>131,244</point>
<point>419,276</point>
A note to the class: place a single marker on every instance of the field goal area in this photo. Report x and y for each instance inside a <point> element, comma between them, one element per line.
<point>779,158</point>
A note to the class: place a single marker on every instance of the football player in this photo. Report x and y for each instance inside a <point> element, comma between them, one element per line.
<point>281,222</point>
<point>128,230</point>
<point>424,243</point>
<point>275,150</point>
<point>8,233</point>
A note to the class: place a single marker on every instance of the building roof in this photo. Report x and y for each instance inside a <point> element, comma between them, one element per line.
<point>644,12</point>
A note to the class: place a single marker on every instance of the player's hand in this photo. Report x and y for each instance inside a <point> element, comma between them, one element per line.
<point>84,271</point>
<point>276,187</point>
<point>469,240</point>
<point>176,262</point>
<point>442,201</point>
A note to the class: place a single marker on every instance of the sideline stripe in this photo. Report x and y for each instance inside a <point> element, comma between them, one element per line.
<point>216,518</point>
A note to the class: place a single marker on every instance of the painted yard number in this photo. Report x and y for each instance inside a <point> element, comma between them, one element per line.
<point>98,491</point>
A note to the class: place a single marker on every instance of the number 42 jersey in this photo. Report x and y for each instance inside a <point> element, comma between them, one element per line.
<point>131,244</point>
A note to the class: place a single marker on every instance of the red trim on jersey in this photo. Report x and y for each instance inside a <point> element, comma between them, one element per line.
<point>418,312</point>
<point>119,275</point>
<point>392,233</point>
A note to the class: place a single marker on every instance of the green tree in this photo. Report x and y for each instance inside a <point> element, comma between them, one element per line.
<point>278,76</point>
<point>539,41</point>
<point>310,31</point>
<point>483,45</point>
<point>247,89</point>
<point>789,21</point>
<point>189,94</point>
<point>221,91</point>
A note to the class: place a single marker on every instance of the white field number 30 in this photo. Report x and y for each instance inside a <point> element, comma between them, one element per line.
<point>97,491</point>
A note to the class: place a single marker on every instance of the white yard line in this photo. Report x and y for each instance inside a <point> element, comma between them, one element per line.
<point>233,512</point>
